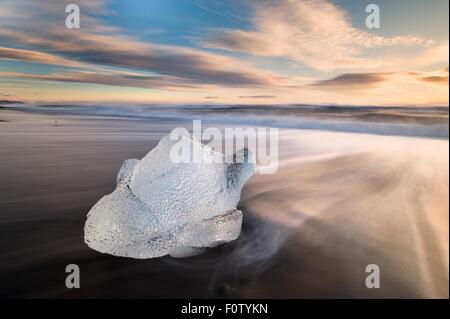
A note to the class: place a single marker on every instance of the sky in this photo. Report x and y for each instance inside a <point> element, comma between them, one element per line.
<point>225,52</point>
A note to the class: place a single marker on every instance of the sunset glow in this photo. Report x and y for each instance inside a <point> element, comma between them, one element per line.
<point>233,52</point>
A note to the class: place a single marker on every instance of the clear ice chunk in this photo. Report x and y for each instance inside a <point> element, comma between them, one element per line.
<point>164,208</point>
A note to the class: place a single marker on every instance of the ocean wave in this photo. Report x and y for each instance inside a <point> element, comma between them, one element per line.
<point>402,121</point>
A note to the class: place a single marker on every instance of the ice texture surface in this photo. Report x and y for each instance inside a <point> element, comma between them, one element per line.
<point>164,208</point>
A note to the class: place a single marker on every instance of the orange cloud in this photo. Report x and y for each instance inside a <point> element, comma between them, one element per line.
<point>435,79</point>
<point>352,81</point>
<point>36,56</point>
<point>94,48</point>
<point>316,33</point>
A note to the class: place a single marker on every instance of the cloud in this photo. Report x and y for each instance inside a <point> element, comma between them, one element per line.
<point>430,57</point>
<point>363,81</point>
<point>257,96</point>
<point>439,77</point>
<point>99,46</point>
<point>435,79</point>
<point>309,32</point>
<point>102,50</point>
<point>197,67</point>
<point>121,79</point>
<point>316,33</point>
<point>352,81</point>
<point>35,56</point>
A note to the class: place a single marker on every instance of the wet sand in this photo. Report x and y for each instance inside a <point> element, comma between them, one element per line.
<point>339,201</point>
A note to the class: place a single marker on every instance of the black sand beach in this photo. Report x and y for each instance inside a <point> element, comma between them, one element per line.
<point>338,202</point>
